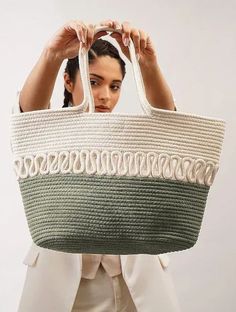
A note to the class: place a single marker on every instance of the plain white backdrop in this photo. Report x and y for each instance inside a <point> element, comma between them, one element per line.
<point>196,47</point>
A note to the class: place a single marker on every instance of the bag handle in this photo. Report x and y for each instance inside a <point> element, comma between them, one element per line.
<point>85,78</point>
<point>84,71</point>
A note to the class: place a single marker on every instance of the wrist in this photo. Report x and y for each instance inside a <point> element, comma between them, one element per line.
<point>148,62</point>
<point>51,56</point>
<point>150,69</point>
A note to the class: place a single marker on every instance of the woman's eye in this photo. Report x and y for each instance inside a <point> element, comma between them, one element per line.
<point>94,82</point>
<point>118,87</point>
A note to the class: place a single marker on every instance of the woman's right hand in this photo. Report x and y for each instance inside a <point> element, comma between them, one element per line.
<point>65,43</point>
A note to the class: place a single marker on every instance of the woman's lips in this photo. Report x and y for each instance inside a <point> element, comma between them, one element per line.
<point>102,109</point>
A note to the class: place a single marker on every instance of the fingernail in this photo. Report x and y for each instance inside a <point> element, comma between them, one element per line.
<point>126,42</point>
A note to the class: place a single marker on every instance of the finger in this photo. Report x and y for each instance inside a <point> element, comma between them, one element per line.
<point>111,24</point>
<point>84,34</point>
<point>75,25</point>
<point>126,31</point>
<point>116,25</point>
<point>108,23</point>
<point>136,39</point>
<point>90,35</point>
<point>81,27</point>
<point>119,40</point>
<point>143,40</point>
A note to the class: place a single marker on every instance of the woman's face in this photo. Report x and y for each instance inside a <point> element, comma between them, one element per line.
<point>105,79</point>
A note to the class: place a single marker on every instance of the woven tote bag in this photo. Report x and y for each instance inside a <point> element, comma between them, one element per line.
<point>114,183</point>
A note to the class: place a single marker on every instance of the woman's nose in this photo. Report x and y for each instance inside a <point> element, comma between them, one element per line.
<point>104,94</point>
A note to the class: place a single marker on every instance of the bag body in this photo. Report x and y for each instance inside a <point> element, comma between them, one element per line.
<point>115,183</point>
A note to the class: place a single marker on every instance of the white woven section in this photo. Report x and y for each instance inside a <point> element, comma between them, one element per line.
<point>168,132</point>
<point>104,162</point>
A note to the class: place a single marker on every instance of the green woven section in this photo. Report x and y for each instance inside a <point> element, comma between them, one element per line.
<point>112,214</point>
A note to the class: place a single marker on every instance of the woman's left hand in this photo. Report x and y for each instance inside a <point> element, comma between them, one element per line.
<point>142,42</point>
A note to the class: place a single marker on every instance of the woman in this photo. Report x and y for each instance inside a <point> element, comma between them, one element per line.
<point>63,282</point>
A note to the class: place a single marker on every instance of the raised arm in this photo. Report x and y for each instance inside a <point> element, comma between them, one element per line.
<point>38,87</point>
<point>157,90</point>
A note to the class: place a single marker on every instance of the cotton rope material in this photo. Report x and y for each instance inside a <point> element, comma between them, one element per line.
<point>115,183</point>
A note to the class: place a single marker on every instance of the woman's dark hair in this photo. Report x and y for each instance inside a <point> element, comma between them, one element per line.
<point>100,47</point>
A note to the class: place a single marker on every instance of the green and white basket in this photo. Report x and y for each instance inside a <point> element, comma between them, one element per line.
<point>115,183</point>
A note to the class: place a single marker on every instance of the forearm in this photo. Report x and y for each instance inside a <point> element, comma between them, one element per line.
<point>38,87</point>
<point>158,92</point>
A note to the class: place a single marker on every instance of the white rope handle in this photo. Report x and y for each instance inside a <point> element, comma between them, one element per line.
<point>84,72</point>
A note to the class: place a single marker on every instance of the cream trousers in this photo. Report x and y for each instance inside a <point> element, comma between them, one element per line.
<point>103,294</point>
